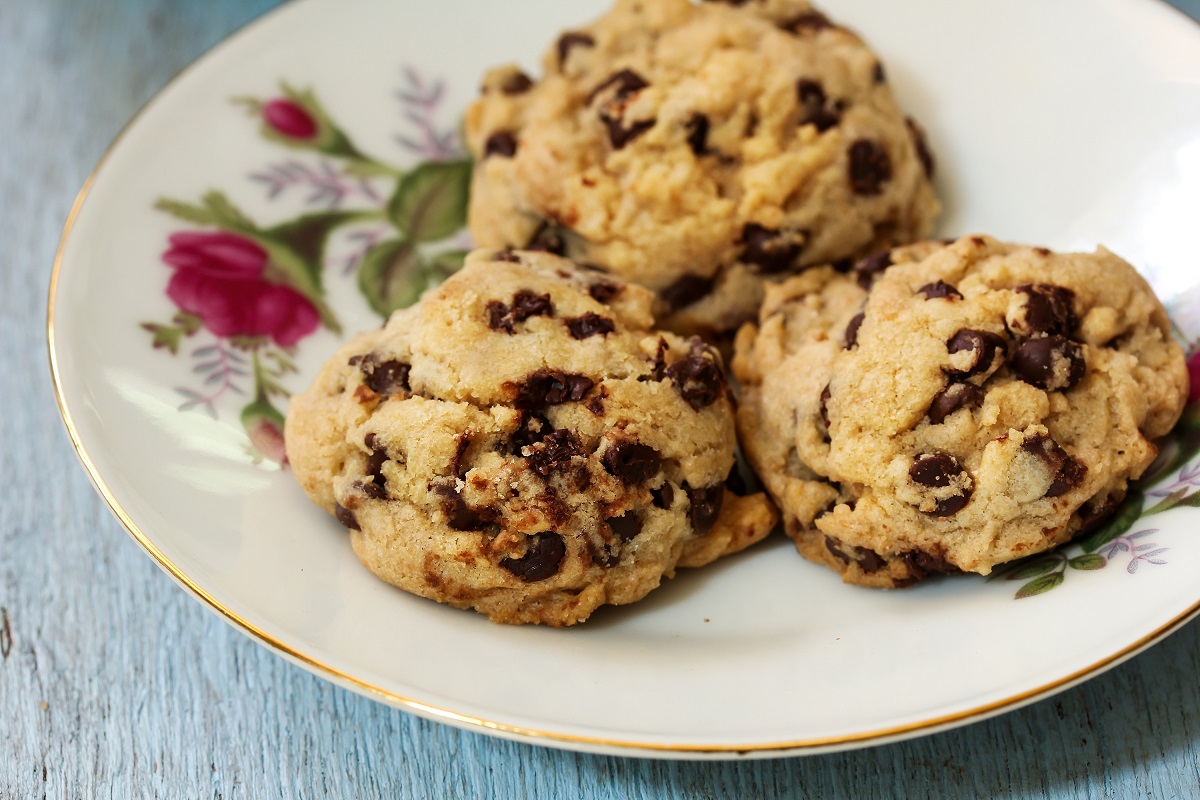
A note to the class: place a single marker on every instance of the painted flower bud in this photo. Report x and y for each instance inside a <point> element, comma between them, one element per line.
<point>289,119</point>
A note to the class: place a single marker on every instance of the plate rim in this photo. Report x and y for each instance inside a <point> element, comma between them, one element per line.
<point>628,747</point>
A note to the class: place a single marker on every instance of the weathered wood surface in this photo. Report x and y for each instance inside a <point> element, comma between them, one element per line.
<point>115,683</point>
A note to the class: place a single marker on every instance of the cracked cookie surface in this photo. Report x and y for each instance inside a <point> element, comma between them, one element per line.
<point>523,442</point>
<point>700,150</point>
<point>951,407</point>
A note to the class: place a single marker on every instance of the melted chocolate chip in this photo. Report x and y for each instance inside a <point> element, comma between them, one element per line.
<point>604,291</point>
<point>939,470</point>
<point>659,372</point>
<point>550,387</point>
<point>385,378</point>
<point>869,167</point>
<point>879,75</point>
<point>769,249</point>
<point>706,505</point>
<point>868,560</point>
<point>460,451</point>
<point>824,410</point>
<point>626,81</point>
<point>621,134</point>
<point>548,238</point>
<point>555,453</point>
<point>1048,309</point>
<point>664,495</point>
<point>835,550</point>
<point>496,314</point>
<point>697,134</point>
<point>526,304</point>
<point>626,526</point>
<point>923,154</point>
<point>939,290</point>
<point>921,563</point>
<point>807,23</point>
<point>516,83</point>
<point>532,429</point>
<point>376,457</point>
<point>589,325</point>
<point>459,515</point>
<point>698,377</point>
<point>631,462</point>
<point>850,339</point>
<point>984,345</point>
<point>814,108</point>
<point>544,554</point>
<point>571,40</point>
<point>1053,363</point>
<point>507,255</point>
<point>686,290</point>
<point>1068,473</point>
<point>346,517</point>
<point>951,399</point>
<point>500,143</point>
<point>866,270</point>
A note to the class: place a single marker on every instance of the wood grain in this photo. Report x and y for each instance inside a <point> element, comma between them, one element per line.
<point>115,683</point>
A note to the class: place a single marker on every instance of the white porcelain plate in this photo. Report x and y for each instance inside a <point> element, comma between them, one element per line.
<point>173,346</point>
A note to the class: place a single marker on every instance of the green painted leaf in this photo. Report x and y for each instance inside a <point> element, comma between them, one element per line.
<point>306,236</point>
<point>1128,513</point>
<point>1088,561</point>
<point>166,336</point>
<point>1040,585</point>
<point>188,321</point>
<point>186,211</point>
<point>430,202</point>
<point>1039,566</point>
<point>225,214</point>
<point>447,262</point>
<point>392,275</point>
<point>1192,500</point>
<point>1167,503</point>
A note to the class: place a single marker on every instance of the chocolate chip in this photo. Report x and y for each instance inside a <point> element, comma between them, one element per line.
<point>869,167</point>
<point>824,410</point>
<point>1068,473</point>
<point>808,22</point>
<point>532,429</point>
<point>526,304</point>
<point>508,255</point>
<point>604,291</point>
<point>516,83</point>
<point>769,249</point>
<point>984,345</point>
<point>659,372</point>
<point>500,143</point>
<point>631,462</point>
<point>868,560</point>
<point>544,554</point>
<point>866,270</point>
<point>550,387</point>
<point>1048,309</point>
<point>879,75</point>
<point>921,563</point>
<point>548,238</point>
<point>1053,363</point>
<point>385,378</point>
<point>697,137</point>
<point>626,526</point>
<point>589,325</point>
<point>621,134</point>
<point>461,446</point>
<point>346,517</point>
<point>832,546</point>
<point>555,453</point>
<point>938,471</point>
<point>813,106</point>
<point>459,515</point>
<point>706,505</point>
<point>496,314</point>
<point>698,377</point>
<point>923,153</point>
<point>850,339</point>
<point>570,40</point>
<point>686,290</point>
<point>939,290</point>
<point>376,457</point>
<point>626,81</point>
<point>664,495</point>
<point>951,399</point>
<point>596,404</point>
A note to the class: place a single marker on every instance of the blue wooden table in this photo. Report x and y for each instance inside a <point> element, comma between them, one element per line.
<point>115,683</point>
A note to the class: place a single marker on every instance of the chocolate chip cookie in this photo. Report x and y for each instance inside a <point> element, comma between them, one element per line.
<point>948,407</point>
<point>523,442</point>
<point>700,149</point>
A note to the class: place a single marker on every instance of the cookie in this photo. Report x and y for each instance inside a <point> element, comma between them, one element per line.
<point>699,150</point>
<point>523,442</point>
<point>950,407</point>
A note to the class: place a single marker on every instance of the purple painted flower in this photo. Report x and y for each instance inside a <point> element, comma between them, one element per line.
<point>219,278</point>
<point>1193,365</point>
<point>289,118</point>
